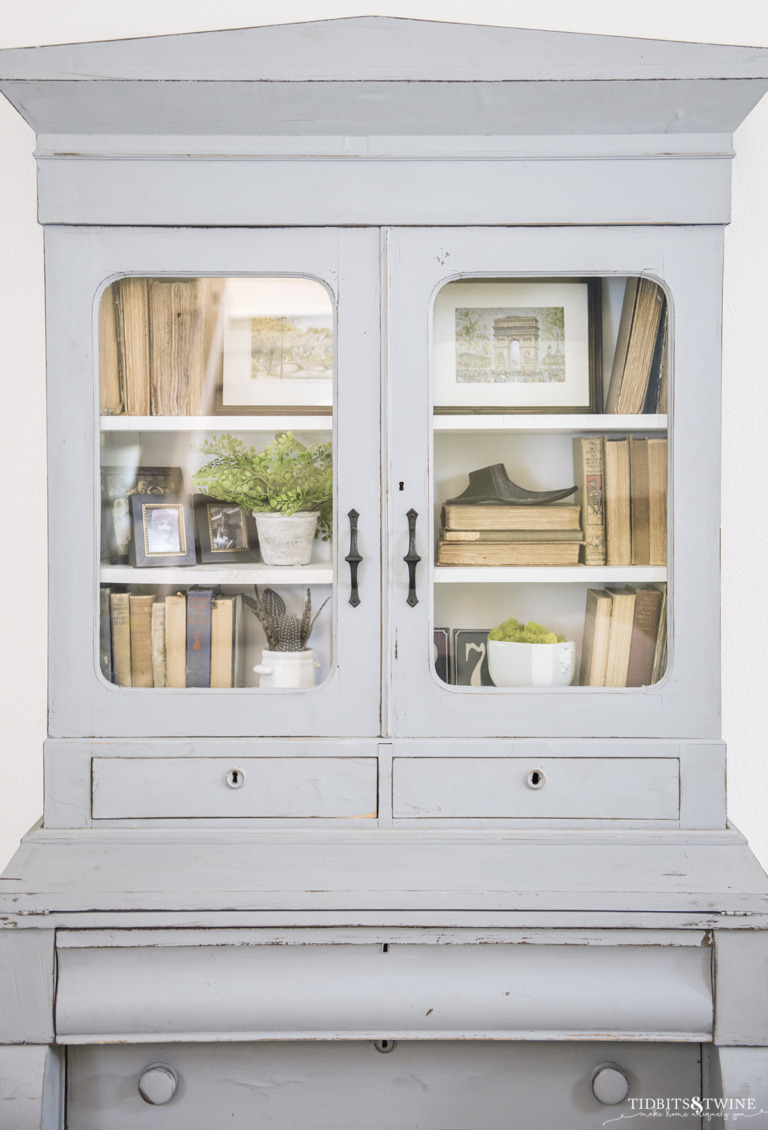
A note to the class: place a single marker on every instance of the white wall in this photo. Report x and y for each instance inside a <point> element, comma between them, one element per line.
<point>22,472</point>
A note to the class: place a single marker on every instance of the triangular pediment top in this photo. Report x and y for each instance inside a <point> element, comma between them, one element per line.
<point>382,48</point>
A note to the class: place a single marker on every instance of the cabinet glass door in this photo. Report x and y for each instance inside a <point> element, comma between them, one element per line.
<point>237,572</point>
<point>538,501</point>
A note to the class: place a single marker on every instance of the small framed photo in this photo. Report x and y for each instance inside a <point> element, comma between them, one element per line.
<point>278,347</point>
<point>162,531</point>
<point>117,486</point>
<point>518,345</point>
<point>225,533</point>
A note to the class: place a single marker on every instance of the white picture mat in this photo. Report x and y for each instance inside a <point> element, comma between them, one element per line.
<point>573,392</point>
<point>247,298</point>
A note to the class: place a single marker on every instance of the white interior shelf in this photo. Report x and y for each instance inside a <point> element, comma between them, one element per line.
<point>244,423</point>
<point>254,574</point>
<point>547,574</point>
<point>553,423</point>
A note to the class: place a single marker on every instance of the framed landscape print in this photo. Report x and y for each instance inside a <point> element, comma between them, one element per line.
<point>278,347</point>
<point>517,345</point>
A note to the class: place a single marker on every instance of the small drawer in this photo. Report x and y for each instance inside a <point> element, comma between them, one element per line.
<point>184,787</point>
<point>587,788</point>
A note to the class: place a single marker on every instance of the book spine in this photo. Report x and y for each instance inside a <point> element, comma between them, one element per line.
<point>119,603</point>
<point>644,632</point>
<point>141,641</point>
<point>222,629</point>
<point>158,644</point>
<point>199,603</point>
<point>105,634</point>
<point>176,640</point>
<point>589,469</point>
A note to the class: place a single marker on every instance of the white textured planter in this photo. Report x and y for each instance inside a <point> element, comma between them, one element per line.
<point>287,668</point>
<point>531,664</point>
<point>286,539</point>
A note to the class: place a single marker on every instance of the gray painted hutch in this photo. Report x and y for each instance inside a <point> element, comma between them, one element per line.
<point>403,896</point>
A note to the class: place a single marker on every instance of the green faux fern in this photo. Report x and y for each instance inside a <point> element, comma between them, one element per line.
<point>284,477</point>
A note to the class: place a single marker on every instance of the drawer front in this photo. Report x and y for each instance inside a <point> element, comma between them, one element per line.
<point>178,787</point>
<point>348,1086</point>
<point>248,992</point>
<point>587,788</point>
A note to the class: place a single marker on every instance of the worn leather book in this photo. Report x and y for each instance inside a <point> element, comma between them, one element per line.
<point>176,329</point>
<point>485,516</point>
<point>176,640</point>
<point>648,494</point>
<point>589,473</point>
<point>225,642</point>
<point>508,553</point>
<point>645,630</point>
<point>639,327</point>
<point>597,629</point>
<point>618,534</point>
<point>110,386</point>
<point>119,604</point>
<point>141,640</point>
<point>158,643</point>
<point>132,333</point>
<point>199,602</point>
<point>620,641</point>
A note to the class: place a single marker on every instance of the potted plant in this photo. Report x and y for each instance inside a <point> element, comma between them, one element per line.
<point>529,655</point>
<point>287,486</point>
<point>287,661</point>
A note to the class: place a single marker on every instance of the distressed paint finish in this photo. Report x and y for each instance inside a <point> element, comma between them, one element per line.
<point>330,1086</point>
<point>26,986</point>
<point>409,991</point>
<point>31,1088</point>
<point>596,911</point>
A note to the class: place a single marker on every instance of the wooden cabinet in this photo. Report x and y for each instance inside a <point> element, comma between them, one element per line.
<point>522,886</point>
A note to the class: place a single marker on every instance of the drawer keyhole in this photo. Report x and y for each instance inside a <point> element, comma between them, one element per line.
<point>384,1045</point>
<point>536,779</point>
<point>235,778</point>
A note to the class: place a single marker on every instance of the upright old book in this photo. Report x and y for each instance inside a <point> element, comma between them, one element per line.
<point>141,640</point>
<point>648,490</point>
<point>176,640</point>
<point>199,608</point>
<point>645,633</point>
<point>618,530</point>
<point>640,326</point>
<point>589,473</point>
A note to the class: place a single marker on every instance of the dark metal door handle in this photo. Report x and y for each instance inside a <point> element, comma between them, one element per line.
<point>412,558</point>
<point>353,558</point>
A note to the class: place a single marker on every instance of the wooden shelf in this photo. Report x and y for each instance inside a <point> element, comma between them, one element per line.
<point>258,574</point>
<point>216,423</point>
<point>552,423</point>
<point>549,574</point>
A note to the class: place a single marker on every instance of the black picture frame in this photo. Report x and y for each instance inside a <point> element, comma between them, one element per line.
<point>452,397</point>
<point>225,533</point>
<point>118,484</point>
<point>163,531</point>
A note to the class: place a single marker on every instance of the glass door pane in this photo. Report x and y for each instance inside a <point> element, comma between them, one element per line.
<point>217,482</point>
<point>550,482</point>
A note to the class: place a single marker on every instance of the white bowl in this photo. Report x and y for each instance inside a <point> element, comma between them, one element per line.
<point>531,664</point>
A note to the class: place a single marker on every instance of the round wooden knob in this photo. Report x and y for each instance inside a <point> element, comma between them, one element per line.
<point>157,1084</point>
<point>610,1084</point>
